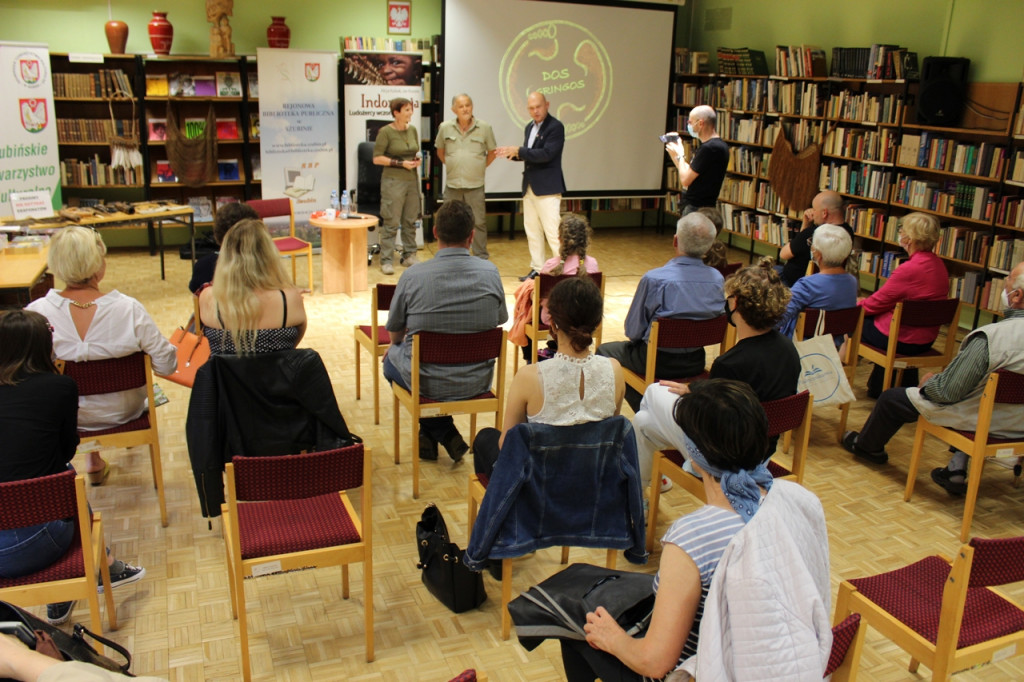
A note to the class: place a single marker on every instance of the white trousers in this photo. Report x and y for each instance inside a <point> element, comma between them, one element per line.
<point>655,429</point>
<point>541,216</point>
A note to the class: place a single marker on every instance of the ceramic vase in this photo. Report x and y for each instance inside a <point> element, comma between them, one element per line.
<point>117,35</point>
<point>278,33</point>
<point>161,33</point>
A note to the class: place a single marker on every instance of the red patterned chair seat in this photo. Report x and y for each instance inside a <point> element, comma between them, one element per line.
<point>68,567</point>
<point>286,526</point>
<point>842,637</point>
<point>289,244</point>
<point>383,337</point>
<point>483,396</point>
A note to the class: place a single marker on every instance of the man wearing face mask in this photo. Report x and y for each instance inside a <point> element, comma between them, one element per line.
<point>756,300</point>
<point>951,397</point>
<point>702,176</point>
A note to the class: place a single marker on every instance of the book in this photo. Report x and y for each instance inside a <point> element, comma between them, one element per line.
<point>227,169</point>
<point>195,127</point>
<point>205,86</point>
<point>228,84</point>
<point>254,126</point>
<point>257,170</point>
<point>180,85</point>
<point>222,201</point>
<point>157,129</point>
<point>156,86</point>
<point>254,85</point>
<point>202,209</point>
<point>227,129</point>
<point>164,172</point>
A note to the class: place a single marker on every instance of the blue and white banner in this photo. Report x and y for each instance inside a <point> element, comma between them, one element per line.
<point>28,150</point>
<point>299,131</point>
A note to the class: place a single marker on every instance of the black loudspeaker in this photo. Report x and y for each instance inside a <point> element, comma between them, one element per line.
<point>943,91</point>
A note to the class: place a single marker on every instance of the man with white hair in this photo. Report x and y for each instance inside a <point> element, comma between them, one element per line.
<point>832,287</point>
<point>951,397</point>
<point>683,288</point>
<point>826,209</point>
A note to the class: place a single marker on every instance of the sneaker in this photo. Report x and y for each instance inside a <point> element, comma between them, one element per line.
<point>428,447</point>
<point>122,573</point>
<point>58,614</point>
<point>850,444</point>
<point>455,445</point>
<point>387,268</point>
<point>409,260</point>
<point>954,481</point>
<point>666,484</point>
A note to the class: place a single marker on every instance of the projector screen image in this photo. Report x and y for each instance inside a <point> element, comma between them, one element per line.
<point>604,70</point>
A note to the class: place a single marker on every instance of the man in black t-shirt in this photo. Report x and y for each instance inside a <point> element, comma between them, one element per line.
<point>826,208</point>
<point>702,177</point>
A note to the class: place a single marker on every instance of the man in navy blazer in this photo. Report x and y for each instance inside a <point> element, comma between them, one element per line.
<point>543,182</point>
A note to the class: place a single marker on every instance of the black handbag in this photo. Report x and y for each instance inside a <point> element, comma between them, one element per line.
<point>53,641</point>
<point>443,572</point>
<point>557,608</point>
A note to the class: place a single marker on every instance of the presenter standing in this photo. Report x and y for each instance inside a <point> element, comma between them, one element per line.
<point>466,147</point>
<point>543,182</point>
<point>702,177</point>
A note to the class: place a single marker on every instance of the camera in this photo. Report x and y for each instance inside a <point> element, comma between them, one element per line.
<point>669,137</point>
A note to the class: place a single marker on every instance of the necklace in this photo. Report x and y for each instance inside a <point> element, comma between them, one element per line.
<point>77,304</point>
<point>576,361</point>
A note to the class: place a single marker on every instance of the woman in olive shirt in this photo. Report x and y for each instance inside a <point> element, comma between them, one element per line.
<point>397,147</point>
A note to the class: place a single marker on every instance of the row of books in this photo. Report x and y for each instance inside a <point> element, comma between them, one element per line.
<point>861,143</point>
<point>691,61</point>
<point>741,61</point>
<point>1017,174</point>
<point>749,161</point>
<point>428,47</point>
<point>761,226</point>
<point>94,172</point>
<point>1006,252</point>
<point>742,130</point>
<point>864,107</point>
<point>744,94</point>
<point>989,298</point>
<point>800,133</point>
<point>222,84</point>
<point>227,128</point>
<point>693,94</point>
<point>888,262</point>
<point>878,62</point>
<point>867,221</point>
<point>860,179</point>
<point>950,198</point>
<point>965,286</point>
<point>928,150</point>
<point>963,243</point>
<point>227,171</point>
<point>98,130</point>
<point>104,83</point>
<point>610,204</point>
<point>1011,212</point>
<point>800,99</point>
<point>801,61</point>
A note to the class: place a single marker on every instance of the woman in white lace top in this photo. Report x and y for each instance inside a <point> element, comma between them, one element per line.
<point>573,387</point>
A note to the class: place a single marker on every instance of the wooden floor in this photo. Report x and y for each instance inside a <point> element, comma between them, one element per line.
<point>177,621</point>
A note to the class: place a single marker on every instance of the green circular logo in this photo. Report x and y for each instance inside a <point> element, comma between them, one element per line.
<point>567,64</point>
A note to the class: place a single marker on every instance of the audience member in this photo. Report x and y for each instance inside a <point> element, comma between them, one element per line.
<point>829,289</point>
<point>398,149</point>
<point>38,427</point>
<point>951,397</point>
<point>227,216</point>
<point>922,278</point>
<point>684,288</point>
<point>762,357</point>
<point>826,209</point>
<point>18,662</point>
<point>717,256</point>
<point>252,306</point>
<point>573,387</point>
<point>452,293</point>
<point>91,325</point>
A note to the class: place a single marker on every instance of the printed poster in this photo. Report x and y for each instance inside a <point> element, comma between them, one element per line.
<point>28,151</point>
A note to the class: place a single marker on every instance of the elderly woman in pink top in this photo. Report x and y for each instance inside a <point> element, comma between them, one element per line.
<point>922,278</point>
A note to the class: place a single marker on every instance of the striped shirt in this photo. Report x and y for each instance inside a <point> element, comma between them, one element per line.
<point>703,535</point>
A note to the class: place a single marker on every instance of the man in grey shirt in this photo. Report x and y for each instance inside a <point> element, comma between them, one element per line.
<point>466,147</point>
<point>451,293</point>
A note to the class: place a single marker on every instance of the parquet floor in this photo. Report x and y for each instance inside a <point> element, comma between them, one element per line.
<point>177,621</point>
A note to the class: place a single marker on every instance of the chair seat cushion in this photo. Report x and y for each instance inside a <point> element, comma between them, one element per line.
<point>68,567</point>
<point>140,424</point>
<point>483,396</point>
<point>383,337</point>
<point>992,440</point>
<point>913,594</point>
<point>284,526</point>
<point>290,244</point>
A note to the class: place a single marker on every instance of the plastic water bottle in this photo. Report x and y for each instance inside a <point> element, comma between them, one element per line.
<point>334,202</point>
<point>345,203</point>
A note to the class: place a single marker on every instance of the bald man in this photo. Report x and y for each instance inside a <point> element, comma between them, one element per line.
<point>543,182</point>
<point>826,209</point>
<point>702,175</point>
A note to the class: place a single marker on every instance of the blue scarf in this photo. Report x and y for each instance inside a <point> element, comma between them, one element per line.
<point>741,488</point>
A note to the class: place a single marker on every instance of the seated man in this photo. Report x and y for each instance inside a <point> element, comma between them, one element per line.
<point>951,397</point>
<point>452,293</point>
<point>684,288</point>
<point>826,208</point>
<point>832,288</point>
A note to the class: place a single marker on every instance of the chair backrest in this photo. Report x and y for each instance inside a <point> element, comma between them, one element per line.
<point>291,477</point>
<point>112,375</point>
<point>1010,389</point>
<point>928,313</point>
<point>842,321</point>
<point>384,293</point>
<point>674,333</point>
<point>730,269</point>
<point>787,413</point>
<point>454,349</point>
<point>997,561</point>
<point>843,635</point>
<point>545,283</point>
<point>271,208</point>
<point>38,500</point>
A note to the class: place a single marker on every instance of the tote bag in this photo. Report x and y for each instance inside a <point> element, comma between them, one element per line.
<point>821,370</point>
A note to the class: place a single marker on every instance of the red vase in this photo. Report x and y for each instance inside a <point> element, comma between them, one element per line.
<point>117,35</point>
<point>161,33</point>
<point>278,33</point>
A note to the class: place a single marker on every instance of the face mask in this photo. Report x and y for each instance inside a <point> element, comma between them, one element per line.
<point>689,129</point>
<point>1004,299</point>
<point>728,314</point>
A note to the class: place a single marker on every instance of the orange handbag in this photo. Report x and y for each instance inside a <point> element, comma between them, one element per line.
<point>193,351</point>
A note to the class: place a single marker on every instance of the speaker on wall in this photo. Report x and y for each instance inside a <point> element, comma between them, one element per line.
<point>943,91</point>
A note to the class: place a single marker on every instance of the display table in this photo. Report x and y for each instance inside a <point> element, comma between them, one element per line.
<point>343,249</point>
<point>21,272</point>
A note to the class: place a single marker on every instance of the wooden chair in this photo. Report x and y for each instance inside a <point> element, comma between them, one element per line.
<point>942,612</point>
<point>450,349</point>
<point>915,314</point>
<point>667,333</point>
<point>1003,387</point>
<point>785,414</point>
<point>95,377</point>
<point>535,329</point>
<point>73,576</point>
<point>847,642</point>
<point>291,512</point>
<point>291,245</point>
<point>848,321</point>
<point>376,340</point>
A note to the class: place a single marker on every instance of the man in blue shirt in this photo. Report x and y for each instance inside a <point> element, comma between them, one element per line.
<point>683,288</point>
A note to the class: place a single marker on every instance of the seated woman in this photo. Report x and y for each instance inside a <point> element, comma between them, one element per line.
<point>574,235</point>
<point>252,306</point>
<point>922,278</point>
<point>755,300</point>
<point>727,433</point>
<point>573,387</point>
<point>832,288</point>
<point>38,427</point>
<point>227,216</point>
<point>91,325</point>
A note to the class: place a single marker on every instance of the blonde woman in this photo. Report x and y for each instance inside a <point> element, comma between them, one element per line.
<point>252,305</point>
<point>89,324</point>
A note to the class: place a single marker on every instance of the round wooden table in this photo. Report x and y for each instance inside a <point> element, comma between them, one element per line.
<point>343,249</point>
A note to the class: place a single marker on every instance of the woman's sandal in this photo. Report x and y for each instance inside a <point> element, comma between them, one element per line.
<point>98,477</point>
